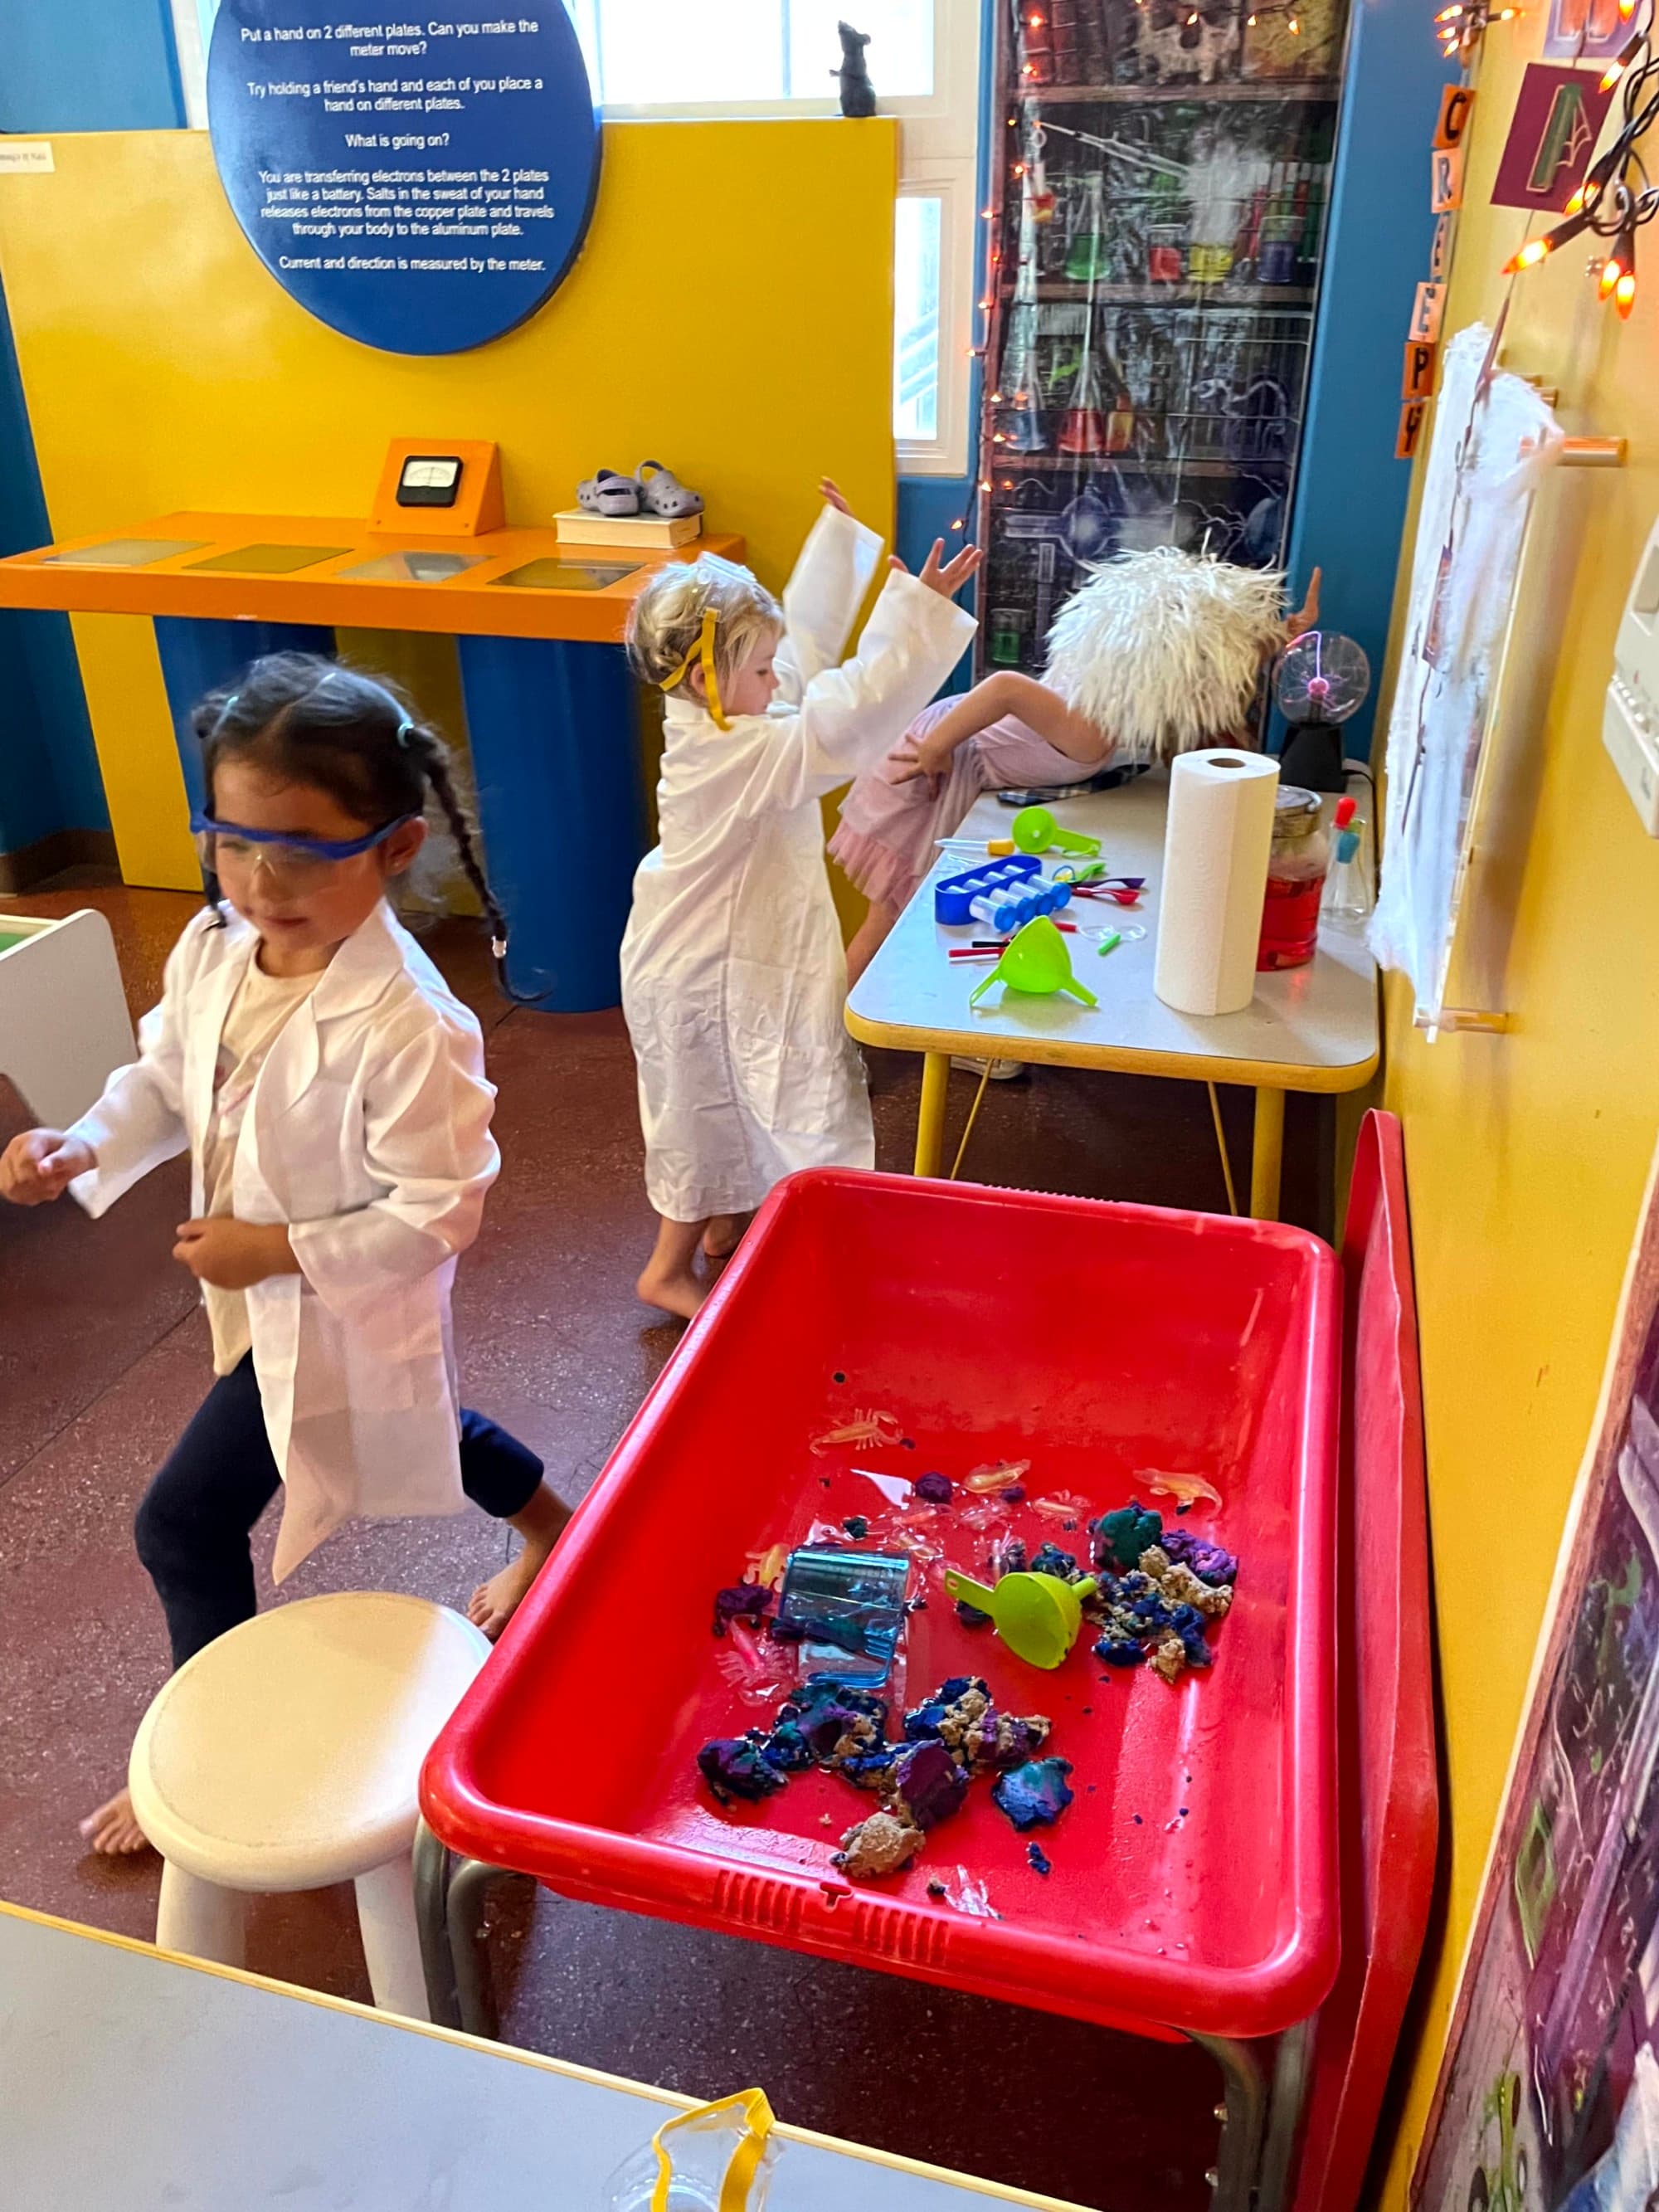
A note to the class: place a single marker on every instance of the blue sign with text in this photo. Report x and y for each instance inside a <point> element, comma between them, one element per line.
<point>421,186</point>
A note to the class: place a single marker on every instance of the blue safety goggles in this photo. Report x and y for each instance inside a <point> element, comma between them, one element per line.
<point>279,842</point>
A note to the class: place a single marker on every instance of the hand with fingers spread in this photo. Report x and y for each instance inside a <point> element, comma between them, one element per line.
<point>942,576</point>
<point>42,1164</point>
<point>1306,616</point>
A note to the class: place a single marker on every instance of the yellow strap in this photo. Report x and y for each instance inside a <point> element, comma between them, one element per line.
<point>703,651</point>
<point>745,2159</point>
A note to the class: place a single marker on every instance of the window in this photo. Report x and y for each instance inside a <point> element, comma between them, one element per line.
<point>692,57</point>
<point>916,316</point>
<point>652,60</point>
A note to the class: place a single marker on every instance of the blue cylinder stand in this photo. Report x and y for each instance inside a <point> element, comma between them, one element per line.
<point>199,656</point>
<point>555,762</point>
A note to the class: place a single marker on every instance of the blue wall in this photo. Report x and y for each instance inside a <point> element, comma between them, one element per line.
<point>1351,492</point>
<point>88,65</point>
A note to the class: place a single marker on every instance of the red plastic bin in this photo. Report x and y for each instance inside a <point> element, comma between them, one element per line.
<point>1195,1877</point>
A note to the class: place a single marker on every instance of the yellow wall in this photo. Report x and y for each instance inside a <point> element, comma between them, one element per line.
<point>1527,1152</point>
<point>732,315</point>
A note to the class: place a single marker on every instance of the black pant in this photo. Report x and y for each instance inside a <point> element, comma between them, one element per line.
<point>194,1522</point>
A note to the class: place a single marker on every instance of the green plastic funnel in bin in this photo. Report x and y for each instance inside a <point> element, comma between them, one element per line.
<point>1036,960</point>
<point>1037,1616</point>
<point>1035,829</point>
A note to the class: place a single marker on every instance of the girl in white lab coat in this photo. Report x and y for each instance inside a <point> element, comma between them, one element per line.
<point>331,1092</point>
<point>733,976</point>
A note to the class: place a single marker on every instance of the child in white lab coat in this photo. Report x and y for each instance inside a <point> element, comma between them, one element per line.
<point>331,1092</point>
<point>734,975</point>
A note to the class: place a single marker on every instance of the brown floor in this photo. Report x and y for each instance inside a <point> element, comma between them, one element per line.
<point>103,1356</point>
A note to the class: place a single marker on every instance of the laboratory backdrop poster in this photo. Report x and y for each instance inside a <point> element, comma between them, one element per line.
<point>1548,2096</point>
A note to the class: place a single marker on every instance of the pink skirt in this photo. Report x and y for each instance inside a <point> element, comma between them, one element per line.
<point>887,836</point>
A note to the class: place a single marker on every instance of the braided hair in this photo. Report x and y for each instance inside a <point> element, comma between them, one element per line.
<point>310,719</point>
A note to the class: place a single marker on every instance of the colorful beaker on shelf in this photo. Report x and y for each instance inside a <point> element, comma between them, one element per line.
<point>1166,253</point>
<point>1209,264</point>
<point>1088,257</point>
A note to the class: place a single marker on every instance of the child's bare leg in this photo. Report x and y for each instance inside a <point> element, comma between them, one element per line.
<point>869,938</point>
<point>724,1233</point>
<point>113,1830</point>
<point>668,1281</point>
<point>541,1524</point>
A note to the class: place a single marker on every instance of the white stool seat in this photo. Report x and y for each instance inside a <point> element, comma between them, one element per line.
<point>287,1755</point>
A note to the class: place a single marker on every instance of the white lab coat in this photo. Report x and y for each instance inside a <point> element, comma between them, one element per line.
<point>367,1131</point>
<point>733,975</point>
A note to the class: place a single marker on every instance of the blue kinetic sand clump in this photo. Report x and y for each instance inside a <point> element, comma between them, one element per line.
<point>1035,1795</point>
<point>735,1767</point>
<point>1049,1560</point>
<point>1040,1861</point>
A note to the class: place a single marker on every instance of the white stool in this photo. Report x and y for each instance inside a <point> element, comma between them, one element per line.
<point>287,1755</point>
<point>63,1020</point>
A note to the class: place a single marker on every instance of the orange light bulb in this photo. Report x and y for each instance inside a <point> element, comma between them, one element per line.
<point>1624,294</point>
<point>1613,270</point>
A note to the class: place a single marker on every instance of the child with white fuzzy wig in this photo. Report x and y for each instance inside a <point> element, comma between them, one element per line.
<point>1158,653</point>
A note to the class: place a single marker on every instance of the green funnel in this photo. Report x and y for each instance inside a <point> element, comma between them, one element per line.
<point>1037,1616</point>
<point>1036,961</point>
<point>1034,829</point>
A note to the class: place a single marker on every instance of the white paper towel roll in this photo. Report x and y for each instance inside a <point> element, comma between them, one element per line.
<point>1219,833</point>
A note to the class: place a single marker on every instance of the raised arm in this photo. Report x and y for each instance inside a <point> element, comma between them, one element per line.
<point>849,717</point>
<point>822,599</point>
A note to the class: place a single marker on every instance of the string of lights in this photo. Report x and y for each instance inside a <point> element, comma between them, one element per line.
<point>1616,197</point>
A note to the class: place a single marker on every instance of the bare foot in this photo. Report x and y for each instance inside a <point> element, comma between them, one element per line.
<point>113,1830</point>
<point>723,1234</point>
<point>675,1291</point>
<point>494,1603</point>
<point>541,1524</point>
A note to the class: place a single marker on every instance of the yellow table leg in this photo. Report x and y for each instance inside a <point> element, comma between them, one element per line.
<point>930,1118</point>
<point>1267,1154</point>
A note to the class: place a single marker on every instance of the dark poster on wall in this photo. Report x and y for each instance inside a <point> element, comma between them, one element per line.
<point>1548,2097</point>
<point>420,185</point>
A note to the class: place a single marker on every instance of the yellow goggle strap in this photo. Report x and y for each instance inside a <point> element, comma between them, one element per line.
<point>703,651</point>
<point>757,2116</point>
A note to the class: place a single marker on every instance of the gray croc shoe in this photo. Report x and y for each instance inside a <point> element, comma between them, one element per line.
<point>665,494</point>
<point>608,493</point>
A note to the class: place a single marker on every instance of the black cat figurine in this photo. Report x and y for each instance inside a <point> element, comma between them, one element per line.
<point>858,95</point>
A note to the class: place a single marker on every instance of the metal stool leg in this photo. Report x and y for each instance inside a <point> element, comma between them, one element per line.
<point>449,1899</point>
<point>1292,2064</point>
<point>432,1866</point>
<point>1232,2179</point>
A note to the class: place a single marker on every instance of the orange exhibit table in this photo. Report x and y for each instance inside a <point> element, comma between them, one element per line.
<point>538,623</point>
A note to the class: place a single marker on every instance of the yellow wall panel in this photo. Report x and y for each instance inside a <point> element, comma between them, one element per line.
<point>1527,1152</point>
<point>731,315</point>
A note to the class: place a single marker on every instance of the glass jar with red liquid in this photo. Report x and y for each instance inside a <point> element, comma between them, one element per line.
<point>1297,869</point>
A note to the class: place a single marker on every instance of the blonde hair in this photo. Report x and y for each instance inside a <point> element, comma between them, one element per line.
<point>665,620</point>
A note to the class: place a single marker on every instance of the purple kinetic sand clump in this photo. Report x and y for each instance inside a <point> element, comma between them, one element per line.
<point>934,1489</point>
<point>734,1767</point>
<point>1040,1861</point>
<point>1209,1562</point>
<point>742,1602</point>
<point>927,1785</point>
